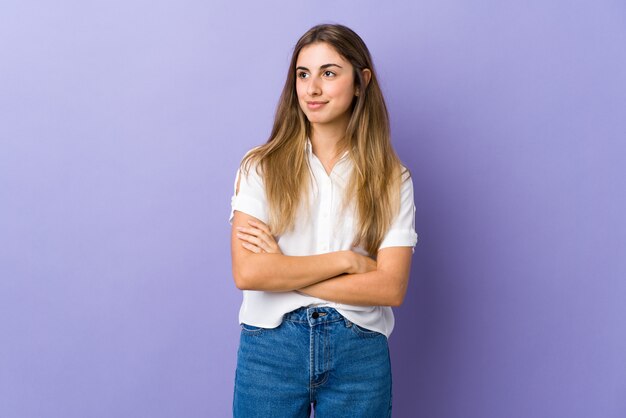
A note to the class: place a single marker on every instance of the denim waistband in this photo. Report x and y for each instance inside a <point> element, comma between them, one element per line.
<point>313,315</point>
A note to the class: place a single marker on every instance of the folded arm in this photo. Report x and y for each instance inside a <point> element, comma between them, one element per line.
<point>385,286</point>
<point>341,276</point>
<point>274,271</point>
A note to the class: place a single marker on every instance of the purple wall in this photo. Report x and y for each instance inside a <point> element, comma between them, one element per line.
<point>121,127</point>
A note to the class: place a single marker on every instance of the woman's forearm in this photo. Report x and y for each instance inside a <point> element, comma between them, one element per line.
<point>375,288</point>
<point>281,273</point>
<point>259,264</point>
<point>385,285</point>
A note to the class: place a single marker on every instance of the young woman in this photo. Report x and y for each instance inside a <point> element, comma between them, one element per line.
<point>323,230</point>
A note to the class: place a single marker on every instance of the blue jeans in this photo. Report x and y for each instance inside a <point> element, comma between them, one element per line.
<point>316,356</point>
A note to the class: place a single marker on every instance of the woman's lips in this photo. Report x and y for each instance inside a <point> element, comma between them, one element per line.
<point>315,105</point>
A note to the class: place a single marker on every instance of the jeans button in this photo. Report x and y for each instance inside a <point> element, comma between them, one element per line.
<point>315,315</point>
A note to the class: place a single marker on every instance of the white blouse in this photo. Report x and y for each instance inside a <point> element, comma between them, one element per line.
<point>326,231</point>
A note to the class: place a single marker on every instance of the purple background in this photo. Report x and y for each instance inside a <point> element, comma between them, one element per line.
<point>121,127</point>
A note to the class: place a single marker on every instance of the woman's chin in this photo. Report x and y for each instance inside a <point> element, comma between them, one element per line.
<point>319,120</point>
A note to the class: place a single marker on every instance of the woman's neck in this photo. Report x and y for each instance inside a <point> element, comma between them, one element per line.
<point>328,141</point>
<point>328,144</point>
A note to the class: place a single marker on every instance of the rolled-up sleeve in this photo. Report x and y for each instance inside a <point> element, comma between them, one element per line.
<point>402,230</point>
<point>251,198</point>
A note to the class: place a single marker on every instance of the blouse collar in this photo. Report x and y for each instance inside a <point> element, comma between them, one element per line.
<point>308,146</point>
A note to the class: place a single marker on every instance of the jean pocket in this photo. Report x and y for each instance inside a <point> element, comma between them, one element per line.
<point>364,332</point>
<point>250,329</point>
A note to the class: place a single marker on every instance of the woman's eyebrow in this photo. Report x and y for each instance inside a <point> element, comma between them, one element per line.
<point>321,67</point>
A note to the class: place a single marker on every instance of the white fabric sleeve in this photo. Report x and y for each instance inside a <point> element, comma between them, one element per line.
<point>251,198</point>
<point>402,233</point>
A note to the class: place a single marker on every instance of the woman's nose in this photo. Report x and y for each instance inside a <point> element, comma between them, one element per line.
<point>314,87</point>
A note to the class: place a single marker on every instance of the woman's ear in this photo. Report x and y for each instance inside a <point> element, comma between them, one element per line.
<point>367,75</point>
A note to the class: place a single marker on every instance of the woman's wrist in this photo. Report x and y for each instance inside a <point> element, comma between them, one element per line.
<point>350,261</point>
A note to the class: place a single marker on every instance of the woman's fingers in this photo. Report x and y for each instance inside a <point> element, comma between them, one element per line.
<point>263,232</point>
<point>261,226</point>
<point>259,235</point>
<point>252,240</point>
<point>372,265</point>
<point>365,264</point>
<point>252,247</point>
<point>254,236</point>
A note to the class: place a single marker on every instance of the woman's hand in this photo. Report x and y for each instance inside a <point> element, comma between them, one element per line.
<point>362,263</point>
<point>258,238</point>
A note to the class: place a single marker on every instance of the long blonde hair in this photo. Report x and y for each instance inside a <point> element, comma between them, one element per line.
<point>376,178</point>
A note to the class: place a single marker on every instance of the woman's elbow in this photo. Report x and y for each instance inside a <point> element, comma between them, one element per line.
<point>397,300</point>
<point>249,278</point>
<point>397,295</point>
<point>240,283</point>
<point>242,278</point>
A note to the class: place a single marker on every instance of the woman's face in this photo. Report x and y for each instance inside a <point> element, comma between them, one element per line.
<point>324,84</point>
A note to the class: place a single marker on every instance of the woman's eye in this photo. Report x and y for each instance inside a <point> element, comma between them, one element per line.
<point>305,75</point>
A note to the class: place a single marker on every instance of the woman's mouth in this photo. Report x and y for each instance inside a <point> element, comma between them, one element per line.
<point>315,105</point>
